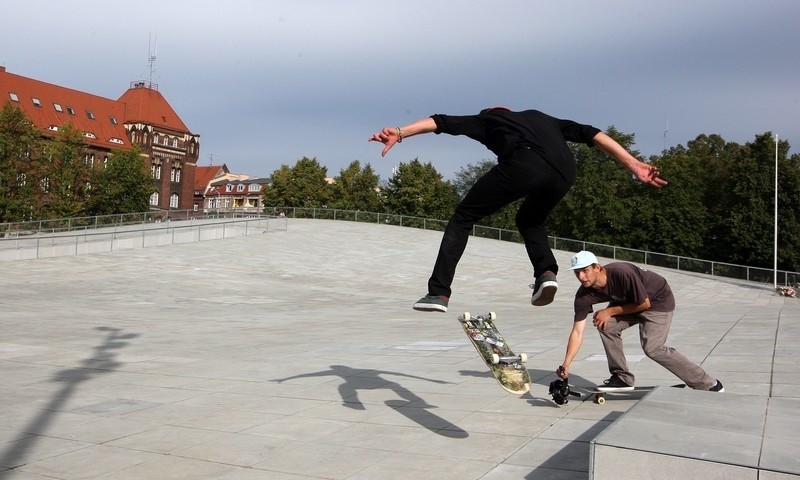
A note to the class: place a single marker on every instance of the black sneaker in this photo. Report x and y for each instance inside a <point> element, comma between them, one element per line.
<point>544,290</point>
<point>717,387</point>
<point>432,303</point>
<point>614,384</point>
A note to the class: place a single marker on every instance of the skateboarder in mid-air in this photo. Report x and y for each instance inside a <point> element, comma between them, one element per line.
<point>534,162</point>
<point>635,296</point>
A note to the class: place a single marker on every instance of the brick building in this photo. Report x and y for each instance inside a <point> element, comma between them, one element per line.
<point>141,116</point>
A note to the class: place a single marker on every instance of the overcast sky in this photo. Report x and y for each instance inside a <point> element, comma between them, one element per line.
<point>265,83</point>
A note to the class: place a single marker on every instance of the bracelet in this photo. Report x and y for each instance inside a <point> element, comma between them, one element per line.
<point>400,135</point>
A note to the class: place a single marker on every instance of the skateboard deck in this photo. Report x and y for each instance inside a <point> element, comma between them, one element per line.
<point>600,395</point>
<point>506,366</point>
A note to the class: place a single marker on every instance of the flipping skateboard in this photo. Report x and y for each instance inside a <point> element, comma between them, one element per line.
<point>506,366</point>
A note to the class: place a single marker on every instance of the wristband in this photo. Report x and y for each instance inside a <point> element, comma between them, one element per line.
<point>399,135</point>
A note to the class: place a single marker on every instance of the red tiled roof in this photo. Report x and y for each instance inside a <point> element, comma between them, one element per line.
<point>41,102</point>
<point>204,174</point>
<point>147,105</point>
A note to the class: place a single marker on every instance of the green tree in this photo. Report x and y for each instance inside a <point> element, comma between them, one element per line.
<point>356,189</point>
<point>600,207</point>
<point>745,213</point>
<point>303,185</point>
<point>19,141</point>
<point>65,175</point>
<point>417,189</point>
<point>124,186</point>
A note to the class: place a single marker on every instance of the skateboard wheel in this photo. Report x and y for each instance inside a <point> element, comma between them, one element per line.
<point>523,358</point>
<point>599,399</point>
<point>466,316</point>
<point>492,316</point>
<point>495,359</point>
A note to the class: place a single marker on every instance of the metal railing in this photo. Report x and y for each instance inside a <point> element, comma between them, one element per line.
<point>677,262</point>
<point>81,236</point>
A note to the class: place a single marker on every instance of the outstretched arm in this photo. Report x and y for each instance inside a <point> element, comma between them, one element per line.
<point>573,345</point>
<point>645,172</point>
<point>391,135</point>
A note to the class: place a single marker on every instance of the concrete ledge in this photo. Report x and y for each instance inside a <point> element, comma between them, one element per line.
<point>682,433</point>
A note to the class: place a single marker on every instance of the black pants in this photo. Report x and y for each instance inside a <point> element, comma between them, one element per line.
<point>522,174</point>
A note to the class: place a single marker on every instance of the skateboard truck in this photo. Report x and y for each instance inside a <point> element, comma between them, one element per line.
<point>560,391</point>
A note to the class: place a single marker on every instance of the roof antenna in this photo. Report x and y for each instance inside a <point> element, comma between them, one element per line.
<point>152,51</point>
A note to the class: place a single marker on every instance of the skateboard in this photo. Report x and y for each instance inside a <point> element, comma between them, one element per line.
<point>600,395</point>
<point>506,366</point>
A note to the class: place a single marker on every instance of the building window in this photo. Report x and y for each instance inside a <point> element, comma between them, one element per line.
<point>254,187</point>
<point>178,175</point>
<point>229,188</point>
<point>240,187</point>
<point>154,199</point>
<point>172,175</point>
<point>155,171</point>
<point>164,141</point>
<point>58,108</point>
<point>105,162</point>
<point>155,138</point>
<point>71,110</point>
<point>89,115</point>
<point>173,200</point>
<point>36,102</point>
<point>44,184</point>
<point>13,96</point>
<point>22,179</point>
<point>112,120</point>
<point>175,142</point>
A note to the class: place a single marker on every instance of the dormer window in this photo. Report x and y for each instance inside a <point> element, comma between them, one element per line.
<point>113,120</point>
<point>115,140</point>
<point>89,115</point>
<point>71,110</point>
<point>89,135</point>
<point>13,96</point>
<point>53,128</point>
<point>58,108</point>
<point>36,102</point>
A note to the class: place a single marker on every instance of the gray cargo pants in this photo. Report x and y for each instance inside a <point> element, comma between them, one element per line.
<point>653,332</point>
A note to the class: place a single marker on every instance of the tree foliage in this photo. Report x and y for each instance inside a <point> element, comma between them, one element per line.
<point>356,189</point>
<point>418,190</point>
<point>302,185</point>
<point>124,186</point>
<point>18,140</point>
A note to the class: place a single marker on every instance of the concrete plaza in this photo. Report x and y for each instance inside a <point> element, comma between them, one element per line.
<point>295,355</point>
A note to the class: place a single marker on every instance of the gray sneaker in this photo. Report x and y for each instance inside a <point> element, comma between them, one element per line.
<point>432,303</point>
<point>544,290</point>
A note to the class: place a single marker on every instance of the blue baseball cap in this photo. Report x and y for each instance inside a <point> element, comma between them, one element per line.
<point>582,259</point>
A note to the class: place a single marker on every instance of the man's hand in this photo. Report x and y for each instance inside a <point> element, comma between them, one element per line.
<point>649,175</point>
<point>562,372</point>
<point>388,136</point>
<point>600,318</point>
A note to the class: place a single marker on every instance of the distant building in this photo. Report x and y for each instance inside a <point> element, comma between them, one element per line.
<point>217,190</point>
<point>141,116</point>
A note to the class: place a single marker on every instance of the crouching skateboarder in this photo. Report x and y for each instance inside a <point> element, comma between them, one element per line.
<point>636,296</point>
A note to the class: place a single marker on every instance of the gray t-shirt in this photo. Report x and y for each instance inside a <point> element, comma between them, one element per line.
<point>626,283</point>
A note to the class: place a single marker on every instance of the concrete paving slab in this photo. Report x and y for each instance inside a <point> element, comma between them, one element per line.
<point>295,355</point>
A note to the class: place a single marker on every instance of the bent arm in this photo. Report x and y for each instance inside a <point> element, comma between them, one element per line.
<point>391,135</point>
<point>646,173</point>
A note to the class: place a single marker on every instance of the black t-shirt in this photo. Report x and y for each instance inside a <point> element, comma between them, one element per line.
<point>503,131</point>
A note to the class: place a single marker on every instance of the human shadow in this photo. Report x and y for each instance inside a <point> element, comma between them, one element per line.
<point>101,362</point>
<point>412,406</point>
